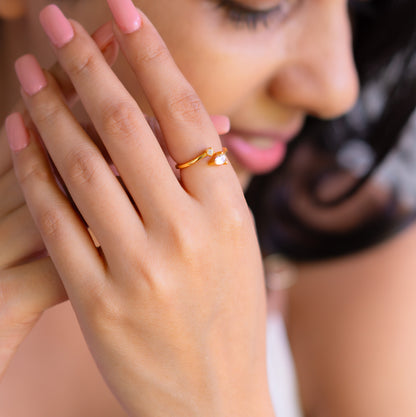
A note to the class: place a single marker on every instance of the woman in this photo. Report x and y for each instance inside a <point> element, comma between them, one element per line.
<point>192,340</point>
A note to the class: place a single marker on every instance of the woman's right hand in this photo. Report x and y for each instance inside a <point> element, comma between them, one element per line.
<point>29,282</point>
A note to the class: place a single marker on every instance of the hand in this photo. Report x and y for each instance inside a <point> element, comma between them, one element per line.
<point>173,304</point>
<point>29,282</point>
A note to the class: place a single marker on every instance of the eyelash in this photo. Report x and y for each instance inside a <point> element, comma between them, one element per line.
<point>242,15</point>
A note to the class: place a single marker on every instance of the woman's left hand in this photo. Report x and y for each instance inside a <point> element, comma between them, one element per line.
<point>173,303</point>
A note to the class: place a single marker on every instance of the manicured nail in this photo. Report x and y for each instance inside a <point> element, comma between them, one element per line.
<point>56,25</point>
<point>222,123</point>
<point>16,131</point>
<point>30,74</point>
<point>104,35</point>
<point>126,15</point>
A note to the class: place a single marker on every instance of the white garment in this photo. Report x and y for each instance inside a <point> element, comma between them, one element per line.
<point>281,370</point>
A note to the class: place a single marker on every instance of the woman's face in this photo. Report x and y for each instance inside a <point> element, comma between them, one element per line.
<point>266,71</point>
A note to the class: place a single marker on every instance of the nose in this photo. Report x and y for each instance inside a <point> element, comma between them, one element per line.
<point>320,75</point>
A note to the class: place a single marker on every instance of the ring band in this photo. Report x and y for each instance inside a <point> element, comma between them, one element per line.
<point>219,158</point>
<point>216,159</point>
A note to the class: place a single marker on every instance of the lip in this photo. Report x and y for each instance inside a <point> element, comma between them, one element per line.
<point>260,151</point>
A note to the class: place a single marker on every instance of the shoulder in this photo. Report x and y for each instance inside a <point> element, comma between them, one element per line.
<point>351,323</point>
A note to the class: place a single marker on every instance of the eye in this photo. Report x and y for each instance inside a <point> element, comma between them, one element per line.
<point>243,15</point>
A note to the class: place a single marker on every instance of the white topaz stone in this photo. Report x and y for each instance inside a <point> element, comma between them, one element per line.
<point>220,159</point>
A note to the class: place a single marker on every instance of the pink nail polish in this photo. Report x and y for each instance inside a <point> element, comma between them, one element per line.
<point>126,15</point>
<point>56,25</point>
<point>16,131</point>
<point>222,123</point>
<point>30,74</point>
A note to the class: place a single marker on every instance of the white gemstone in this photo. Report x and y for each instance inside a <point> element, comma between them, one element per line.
<point>210,151</point>
<point>220,159</point>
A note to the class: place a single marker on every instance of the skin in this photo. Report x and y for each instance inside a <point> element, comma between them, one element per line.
<point>167,269</point>
<point>278,88</point>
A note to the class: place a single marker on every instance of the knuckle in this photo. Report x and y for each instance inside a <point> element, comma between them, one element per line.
<point>158,53</point>
<point>82,166</point>
<point>35,172</point>
<point>46,112</point>
<point>185,106</point>
<point>153,280</point>
<point>233,221</point>
<point>104,312</point>
<point>49,222</point>
<point>185,240</point>
<point>83,63</point>
<point>120,118</point>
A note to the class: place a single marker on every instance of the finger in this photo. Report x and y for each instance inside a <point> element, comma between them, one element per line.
<point>185,124</point>
<point>19,237</point>
<point>31,288</point>
<point>95,190</point>
<point>5,156</point>
<point>221,123</point>
<point>11,196</point>
<point>118,120</point>
<point>65,236</point>
<point>109,48</point>
<point>104,38</point>
<point>26,291</point>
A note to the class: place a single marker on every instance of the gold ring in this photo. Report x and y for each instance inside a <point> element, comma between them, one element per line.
<point>216,159</point>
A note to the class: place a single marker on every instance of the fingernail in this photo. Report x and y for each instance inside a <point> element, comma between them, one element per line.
<point>104,35</point>
<point>56,25</point>
<point>222,123</point>
<point>126,15</point>
<point>16,131</point>
<point>30,74</point>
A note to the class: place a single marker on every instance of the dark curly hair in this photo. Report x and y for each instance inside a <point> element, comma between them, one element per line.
<point>385,54</point>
